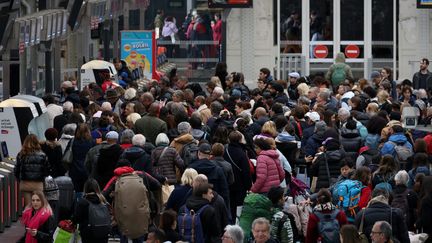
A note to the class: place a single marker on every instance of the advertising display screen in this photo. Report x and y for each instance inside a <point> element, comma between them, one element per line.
<point>137,50</point>
<point>424,3</point>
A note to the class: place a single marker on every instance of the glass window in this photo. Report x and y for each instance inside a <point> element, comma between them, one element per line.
<point>352,20</point>
<point>290,26</point>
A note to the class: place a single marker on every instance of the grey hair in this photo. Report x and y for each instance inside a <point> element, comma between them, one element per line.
<point>261,220</point>
<point>235,232</point>
<point>138,140</point>
<point>421,93</point>
<point>161,138</point>
<point>325,95</point>
<point>385,228</point>
<point>343,114</point>
<point>69,129</point>
<point>401,178</point>
<point>68,106</point>
<point>126,136</point>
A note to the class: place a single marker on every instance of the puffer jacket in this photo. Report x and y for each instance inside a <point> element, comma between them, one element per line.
<point>166,165</point>
<point>351,141</point>
<point>32,167</point>
<point>287,144</point>
<point>319,168</point>
<point>181,140</point>
<point>269,172</point>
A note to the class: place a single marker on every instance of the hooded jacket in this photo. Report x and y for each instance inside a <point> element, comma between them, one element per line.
<point>287,145</point>
<point>351,141</point>
<point>319,168</point>
<point>269,172</point>
<point>182,140</point>
<point>208,216</point>
<point>215,175</point>
<point>105,165</point>
<point>313,143</point>
<point>379,210</point>
<point>397,138</point>
<point>141,161</point>
<point>166,165</point>
<point>77,171</point>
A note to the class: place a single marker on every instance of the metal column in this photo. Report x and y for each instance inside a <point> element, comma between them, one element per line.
<point>305,35</point>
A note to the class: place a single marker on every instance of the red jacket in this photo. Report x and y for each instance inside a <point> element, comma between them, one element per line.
<point>269,172</point>
<point>365,197</point>
<point>312,228</point>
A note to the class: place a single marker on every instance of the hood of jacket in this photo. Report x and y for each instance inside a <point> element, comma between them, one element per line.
<point>185,138</point>
<point>195,202</point>
<point>92,197</point>
<point>123,170</point>
<point>285,137</point>
<point>205,166</point>
<point>197,133</point>
<point>398,138</point>
<point>335,154</point>
<point>340,58</point>
<point>349,133</point>
<point>270,153</point>
<point>134,153</point>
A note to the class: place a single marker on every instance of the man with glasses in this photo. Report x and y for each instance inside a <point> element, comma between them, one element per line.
<point>381,232</point>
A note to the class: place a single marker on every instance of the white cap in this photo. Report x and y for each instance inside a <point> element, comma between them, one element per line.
<point>294,75</point>
<point>314,116</point>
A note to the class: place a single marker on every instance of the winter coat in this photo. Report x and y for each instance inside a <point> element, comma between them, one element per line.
<point>92,156</point>
<point>427,85</point>
<point>166,165</point>
<point>381,211</point>
<point>141,161</point>
<point>372,140</point>
<point>178,197</point>
<point>389,146</point>
<point>319,168</point>
<point>312,145</point>
<point>215,175</point>
<point>182,140</point>
<point>81,217</point>
<point>223,216</point>
<point>207,216</point>
<point>32,167</point>
<point>77,171</point>
<point>425,213</point>
<point>312,228</point>
<point>255,205</point>
<point>287,144</point>
<point>106,163</point>
<point>350,141</point>
<point>64,141</point>
<point>285,233</point>
<point>61,120</point>
<point>269,172</point>
<point>412,199</point>
<point>54,154</point>
<point>255,127</point>
<point>150,127</point>
<point>227,168</point>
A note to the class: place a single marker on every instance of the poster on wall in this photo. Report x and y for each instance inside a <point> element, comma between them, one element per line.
<point>137,51</point>
<point>424,3</point>
<point>9,131</point>
<point>230,3</point>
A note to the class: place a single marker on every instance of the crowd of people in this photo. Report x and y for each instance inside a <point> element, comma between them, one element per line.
<point>309,159</point>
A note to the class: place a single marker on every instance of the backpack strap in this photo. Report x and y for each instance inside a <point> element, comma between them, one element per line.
<point>232,161</point>
<point>362,221</point>
<point>327,168</point>
<point>160,156</point>
<point>281,224</point>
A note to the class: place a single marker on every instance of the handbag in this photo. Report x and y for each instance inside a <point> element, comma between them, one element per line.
<point>51,189</point>
<point>166,192</point>
<point>62,236</point>
<point>67,155</point>
<point>363,238</point>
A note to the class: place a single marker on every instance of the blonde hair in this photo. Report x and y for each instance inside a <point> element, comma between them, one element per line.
<point>133,117</point>
<point>188,176</point>
<point>269,128</point>
<point>372,107</point>
<point>303,89</point>
<point>382,96</point>
<point>216,80</point>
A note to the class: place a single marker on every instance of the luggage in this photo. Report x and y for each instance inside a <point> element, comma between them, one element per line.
<point>66,197</point>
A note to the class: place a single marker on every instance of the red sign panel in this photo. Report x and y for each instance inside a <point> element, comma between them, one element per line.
<point>352,51</point>
<point>320,51</point>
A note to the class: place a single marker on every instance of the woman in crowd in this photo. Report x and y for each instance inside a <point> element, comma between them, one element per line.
<point>385,173</point>
<point>31,167</point>
<point>166,160</point>
<point>168,223</point>
<point>425,208</point>
<point>38,220</point>
<point>349,234</point>
<point>53,151</point>
<point>183,191</point>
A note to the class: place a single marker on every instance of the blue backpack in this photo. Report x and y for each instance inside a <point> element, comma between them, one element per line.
<point>328,227</point>
<point>189,225</point>
<point>346,196</point>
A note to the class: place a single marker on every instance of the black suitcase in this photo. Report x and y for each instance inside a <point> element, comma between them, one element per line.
<point>13,191</point>
<point>66,197</point>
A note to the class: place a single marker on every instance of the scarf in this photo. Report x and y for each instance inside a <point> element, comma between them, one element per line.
<point>35,221</point>
<point>324,207</point>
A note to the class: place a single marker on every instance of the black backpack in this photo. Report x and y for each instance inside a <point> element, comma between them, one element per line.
<point>372,159</point>
<point>189,152</point>
<point>400,200</point>
<point>99,220</point>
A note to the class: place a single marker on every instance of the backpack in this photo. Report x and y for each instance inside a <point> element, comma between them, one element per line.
<point>402,152</point>
<point>189,224</point>
<point>338,75</point>
<point>287,216</point>
<point>372,159</point>
<point>189,152</point>
<point>400,200</point>
<point>346,196</point>
<point>99,220</point>
<point>328,227</point>
<point>67,155</point>
<point>413,173</point>
<point>131,205</point>
<point>385,184</point>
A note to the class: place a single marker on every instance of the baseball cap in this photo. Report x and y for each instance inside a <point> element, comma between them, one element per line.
<point>112,135</point>
<point>314,116</point>
<point>205,148</point>
<point>294,75</point>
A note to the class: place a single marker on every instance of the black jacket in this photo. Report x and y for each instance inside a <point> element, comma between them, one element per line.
<point>32,167</point>
<point>44,232</point>
<point>60,121</point>
<point>319,168</point>
<point>351,142</point>
<point>241,170</point>
<point>427,85</point>
<point>210,229</point>
<point>54,155</point>
<point>423,223</point>
<point>141,161</point>
<point>379,211</point>
<point>77,171</point>
<point>215,175</point>
<point>221,210</point>
<point>106,163</point>
<point>81,217</point>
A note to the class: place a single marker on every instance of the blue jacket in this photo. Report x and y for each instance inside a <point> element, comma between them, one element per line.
<point>398,138</point>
